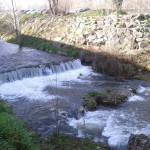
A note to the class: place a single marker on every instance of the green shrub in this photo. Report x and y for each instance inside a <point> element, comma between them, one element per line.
<point>3,107</point>
<point>121,12</point>
<point>93,94</point>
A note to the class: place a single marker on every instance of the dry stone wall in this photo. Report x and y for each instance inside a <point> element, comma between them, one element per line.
<point>113,32</point>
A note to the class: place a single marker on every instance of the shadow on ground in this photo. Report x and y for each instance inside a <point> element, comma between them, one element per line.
<point>103,62</point>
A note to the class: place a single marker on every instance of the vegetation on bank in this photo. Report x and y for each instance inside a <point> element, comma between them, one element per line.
<point>89,13</point>
<point>97,13</point>
<point>15,136</point>
<point>72,143</point>
<point>45,45</point>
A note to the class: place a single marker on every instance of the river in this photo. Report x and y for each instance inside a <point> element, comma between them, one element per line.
<point>34,98</point>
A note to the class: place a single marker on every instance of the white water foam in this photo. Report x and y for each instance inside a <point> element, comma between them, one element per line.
<point>33,88</point>
<point>135,98</point>
<point>116,125</point>
<point>141,89</point>
<point>144,90</point>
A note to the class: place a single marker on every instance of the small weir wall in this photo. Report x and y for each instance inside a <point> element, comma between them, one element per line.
<point>17,64</point>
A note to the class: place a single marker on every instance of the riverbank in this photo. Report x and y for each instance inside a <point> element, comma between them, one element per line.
<point>15,135</point>
<point>114,44</point>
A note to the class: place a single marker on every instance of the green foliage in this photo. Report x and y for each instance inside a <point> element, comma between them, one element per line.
<point>27,17</point>
<point>13,135</point>
<point>41,44</point>
<point>3,107</point>
<point>146,41</point>
<point>73,143</point>
<point>121,12</point>
<point>93,94</point>
<point>90,13</point>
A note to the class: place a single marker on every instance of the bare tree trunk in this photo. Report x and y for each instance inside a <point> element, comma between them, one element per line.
<point>16,24</point>
<point>118,4</point>
<point>53,6</point>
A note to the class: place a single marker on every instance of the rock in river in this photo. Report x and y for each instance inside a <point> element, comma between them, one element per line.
<point>138,142</point>
<point>107,98</point>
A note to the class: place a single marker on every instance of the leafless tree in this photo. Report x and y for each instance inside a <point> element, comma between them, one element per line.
<point>10,16</point>
<point>118,4</point>
<point>53,6</point>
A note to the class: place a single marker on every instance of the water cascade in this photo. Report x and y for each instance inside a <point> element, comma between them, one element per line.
<point>41,70</point>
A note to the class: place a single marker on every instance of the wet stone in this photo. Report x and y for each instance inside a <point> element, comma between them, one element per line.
<point>139,142</point>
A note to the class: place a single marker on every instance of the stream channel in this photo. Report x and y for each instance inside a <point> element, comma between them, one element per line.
<point>34,99</point>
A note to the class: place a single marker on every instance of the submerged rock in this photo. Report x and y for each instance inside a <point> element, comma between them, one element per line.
<point>139,142</point>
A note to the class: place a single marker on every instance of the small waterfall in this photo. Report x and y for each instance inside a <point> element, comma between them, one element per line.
<point>39,71</point>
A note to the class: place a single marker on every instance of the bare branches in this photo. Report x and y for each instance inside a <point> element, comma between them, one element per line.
<point>16,22</point>
<point>118,3</point>
<point>9,15</point>
<point>53,6</point>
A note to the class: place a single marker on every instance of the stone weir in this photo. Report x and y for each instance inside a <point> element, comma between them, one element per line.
<point>17,64</point>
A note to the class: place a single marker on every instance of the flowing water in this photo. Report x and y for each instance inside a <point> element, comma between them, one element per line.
<point>34,101</point>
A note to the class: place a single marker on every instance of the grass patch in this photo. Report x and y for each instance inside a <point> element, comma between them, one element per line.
<point>90,13</point>
<point>92,94</point>
<point>27,17</point>
<point>13,134</point>
<point>120,11</point>
<point>41,44</point>
<point>4,108</point>
<point>73,143</point>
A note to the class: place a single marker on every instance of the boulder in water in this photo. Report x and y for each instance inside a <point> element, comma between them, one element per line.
<point>110,99</point>
<point>107,98</point>
<point>139,142</point>
<point>89,103</point>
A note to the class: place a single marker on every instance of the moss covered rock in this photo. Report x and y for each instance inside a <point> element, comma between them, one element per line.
<point>110,99</point>
<point>89,102</point>
<point>107,98</point>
